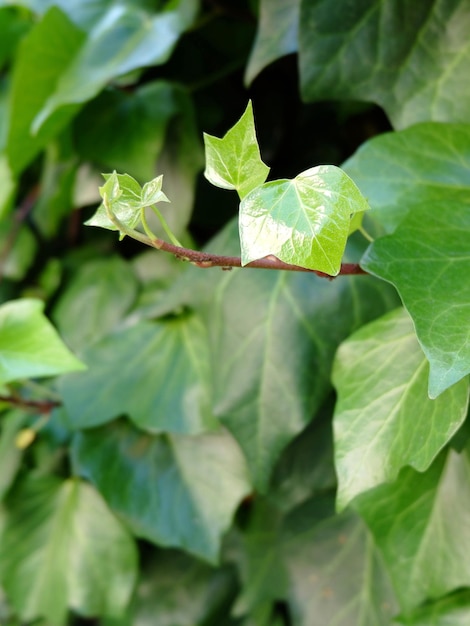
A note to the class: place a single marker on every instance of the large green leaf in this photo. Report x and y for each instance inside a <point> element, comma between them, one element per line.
<point>453,610</point>
<point>428,260</point>
<point>384,418</point>
<point>157,373</point>
<point>124,39</point>
<point>409,57</point>
<point>420,524</point>
<point>62,548</point>
<point>29,345</point>
<point>175,491</point>
<point>420,164</point>
<point>304,221</point>
<point>337,575</point>
<point>43,56</point>
<point>273,343</point>
<point>275,16</point>
<point>234,162</point>
<point>95,301</point>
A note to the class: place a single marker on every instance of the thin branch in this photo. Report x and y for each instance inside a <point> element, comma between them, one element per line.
<point>206,259</point>
<point>44,407</point>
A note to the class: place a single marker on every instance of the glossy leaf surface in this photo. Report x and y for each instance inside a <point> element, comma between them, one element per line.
<point>304,221</point>
<point>384,418</point>
<point>433,240</point>
<point>419,523</point>
<point>29,345</point>
<point>375,51</point>
<point>182,492</point>
<point>234,162</point>
<point>62,548</point>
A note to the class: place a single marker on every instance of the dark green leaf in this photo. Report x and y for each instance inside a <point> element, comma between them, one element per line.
<point>44,54</point>
<point>174,491</point>
<point>420,525</point>
<point>157,373</point>
<point>29,345</point>
<point>384,418</point>
<point>12,27</point>
<point>304,221</point>
<point>424,163</point>
<point>276,16</point>
<point>453,610</point>
<point>411,58</point>
<point>61,547</point>
<point>337,575</point>
<point>10,454</point>
<point>20,246</point>
<point>234,162</point>
<point>95,301</point>
<point>427,259</point>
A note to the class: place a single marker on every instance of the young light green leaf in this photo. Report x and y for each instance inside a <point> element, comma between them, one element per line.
<point>29,344</point>
<point>452,610</point>
<point>304,221</point>
<point>384,418</point>
<point>62,548</point>
<point>349,54</point>
<point>165,386</point>
<point>152,192</point>
<point>123,194</point>
<point>182,492</point>
<point>420,525</point>
<point>234,162</point>
<point>427,258</point>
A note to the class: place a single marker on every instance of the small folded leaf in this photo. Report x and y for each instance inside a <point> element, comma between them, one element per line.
<point>123,193</point>
<point>29,344</point>
<point>427,258</point>
<point>304,221</point>
<point>152,192</point>
<point>234,162</point>
<point>384,418</point>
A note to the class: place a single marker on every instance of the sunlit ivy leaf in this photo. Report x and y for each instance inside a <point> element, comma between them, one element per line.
<point>95,300</point>
<point>452,610</point>
<point>337,575</point>
<point>182,492</point>
<point>234,162</point>
<point>62,548</point>
<point>152,192</point>
<point>275,16</point>
<point>428,260</point>
<point>424,163</point>
<point>163,383</point>
<point>123,193</point>
<point>304,221</point>
<point>43,55</point>
<point>125,38</point>
<point>411,58</point>
<point>265,391</point>
<point>420,525</point>
<point>384,418</point>
<point>29,345</point>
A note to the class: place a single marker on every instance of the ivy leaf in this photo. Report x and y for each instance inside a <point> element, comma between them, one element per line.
<point>337,574</point>
<point>123,193</point>
<point>424,163</point>
<point>452,610</point>
<point>10,455</point>
<point>62,548</point>
<point>281,17</point>
<point>374,51</point>
<point>165,386</point>
<point>420,525</point>
<point>234,162</point>
<point>427,259</point>
<point>182,492</point>
<point>384,418</point>
<point>304,221</point>
<point>152,192</point>
<point>29,344</point>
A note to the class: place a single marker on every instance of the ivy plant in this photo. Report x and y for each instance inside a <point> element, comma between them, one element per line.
<point>234,368</point>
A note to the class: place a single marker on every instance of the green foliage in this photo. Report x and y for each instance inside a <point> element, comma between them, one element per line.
<point>182,445</point>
